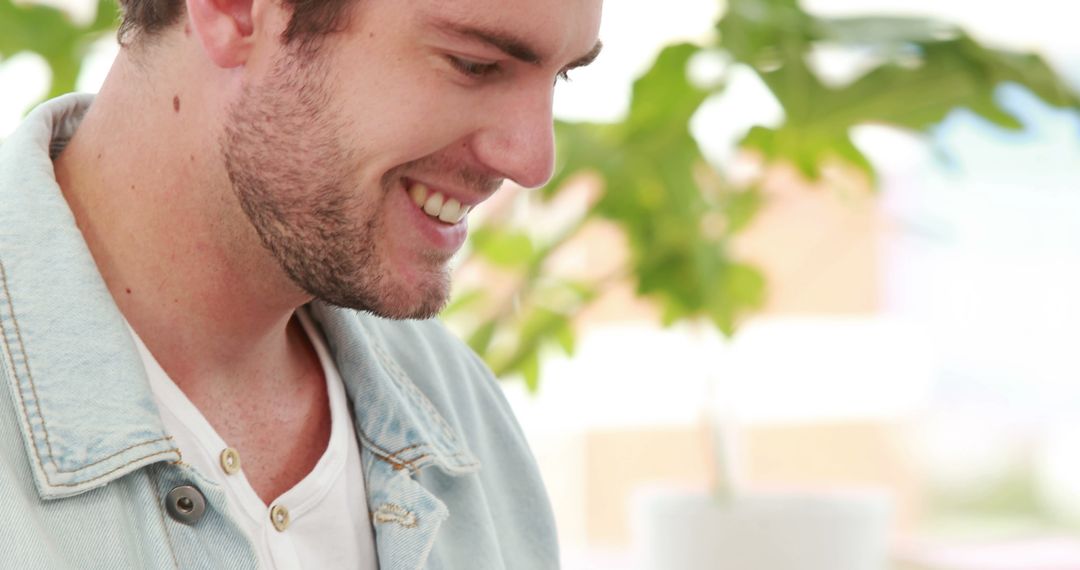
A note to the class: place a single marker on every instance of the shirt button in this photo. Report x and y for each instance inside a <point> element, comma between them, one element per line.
<point>185,504</point>
<point>279,515</point>
<point>230,461</point>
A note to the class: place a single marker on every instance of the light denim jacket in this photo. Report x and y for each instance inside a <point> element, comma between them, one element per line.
<point>86,463</point>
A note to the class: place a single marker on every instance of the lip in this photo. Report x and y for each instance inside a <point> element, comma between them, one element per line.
<point>441,235</point>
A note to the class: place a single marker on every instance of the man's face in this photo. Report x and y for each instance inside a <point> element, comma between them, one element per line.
<point>431,102</point>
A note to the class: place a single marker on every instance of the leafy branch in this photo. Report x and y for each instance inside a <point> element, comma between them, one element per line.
<point>679,213</point>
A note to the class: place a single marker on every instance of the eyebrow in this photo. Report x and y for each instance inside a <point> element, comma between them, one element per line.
<point>512,46</point>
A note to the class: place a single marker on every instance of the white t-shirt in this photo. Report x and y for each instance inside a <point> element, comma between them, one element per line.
<point>324,518</point>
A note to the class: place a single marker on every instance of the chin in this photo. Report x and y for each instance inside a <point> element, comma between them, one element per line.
<point>419,299</point>
<point>425,308</point>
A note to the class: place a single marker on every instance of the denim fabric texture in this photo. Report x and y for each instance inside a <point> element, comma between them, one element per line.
<point>86,463</point>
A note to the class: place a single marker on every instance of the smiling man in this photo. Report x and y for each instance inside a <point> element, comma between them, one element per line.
<point>217,279</point>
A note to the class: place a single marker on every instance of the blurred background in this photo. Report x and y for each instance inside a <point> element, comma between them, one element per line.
<point>802,294</point>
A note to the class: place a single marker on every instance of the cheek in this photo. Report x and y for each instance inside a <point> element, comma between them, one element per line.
<point>406,113</point>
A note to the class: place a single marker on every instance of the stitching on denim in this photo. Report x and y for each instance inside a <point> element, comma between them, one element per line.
<point>110,471</point>
<point>382,454</point>
<point>114,454</point>
<point>44,427</point>
<point>393,513</point>
<point>403,379</point>
<point>18,384</point>
<point>161,514</point>
<point>419,462</point>
<point>409,448</point>
<point>26,365</point>
<point>414,465</point>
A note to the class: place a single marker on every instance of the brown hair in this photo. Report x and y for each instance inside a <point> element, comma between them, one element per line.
<point>311,19</point>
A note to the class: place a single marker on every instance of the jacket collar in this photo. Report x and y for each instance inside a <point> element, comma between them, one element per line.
<point>399,428</point>
<point>395,421</point>
<point>77,382</point>
<point>78,386</point>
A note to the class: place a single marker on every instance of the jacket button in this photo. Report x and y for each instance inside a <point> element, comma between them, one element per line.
<point>185,504</point>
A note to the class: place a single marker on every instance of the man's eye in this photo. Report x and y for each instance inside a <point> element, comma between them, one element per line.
<point>471,68</point>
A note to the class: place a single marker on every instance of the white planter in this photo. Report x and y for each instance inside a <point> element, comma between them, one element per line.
<point>677,530</point>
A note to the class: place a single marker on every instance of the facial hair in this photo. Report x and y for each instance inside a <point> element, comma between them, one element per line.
<point>295,181</point>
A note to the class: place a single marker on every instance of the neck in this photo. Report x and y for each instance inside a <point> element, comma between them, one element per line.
<point>157,211</point>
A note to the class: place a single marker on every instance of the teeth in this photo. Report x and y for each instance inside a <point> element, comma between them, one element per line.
<point>419,193</point>
<point>436,205</point>
<point>451,211</point>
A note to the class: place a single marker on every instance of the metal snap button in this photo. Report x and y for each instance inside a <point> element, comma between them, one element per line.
<point>279,516</point>
<point>230,461</point>
<point>185,504</point>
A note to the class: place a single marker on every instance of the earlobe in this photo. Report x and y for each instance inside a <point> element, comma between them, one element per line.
<point>224,28</point>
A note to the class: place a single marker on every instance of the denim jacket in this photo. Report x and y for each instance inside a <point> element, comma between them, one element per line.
<point>86,466</point>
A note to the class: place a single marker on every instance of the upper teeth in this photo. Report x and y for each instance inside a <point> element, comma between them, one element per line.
<point>436,205</point>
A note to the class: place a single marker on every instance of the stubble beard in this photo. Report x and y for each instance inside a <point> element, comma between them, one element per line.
<point>295,182</point>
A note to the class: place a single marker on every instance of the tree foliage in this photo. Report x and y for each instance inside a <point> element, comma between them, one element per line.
<point>680,213</point>
<point>55,36</point>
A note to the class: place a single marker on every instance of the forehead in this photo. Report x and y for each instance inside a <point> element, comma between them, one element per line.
<point>563,29</point>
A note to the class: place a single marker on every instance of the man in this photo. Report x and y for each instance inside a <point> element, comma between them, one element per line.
<point>217,278</point>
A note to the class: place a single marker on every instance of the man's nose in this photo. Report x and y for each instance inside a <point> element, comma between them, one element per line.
<point>519,141</point>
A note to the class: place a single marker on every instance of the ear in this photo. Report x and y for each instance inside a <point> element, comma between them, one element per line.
<point>224,28</point>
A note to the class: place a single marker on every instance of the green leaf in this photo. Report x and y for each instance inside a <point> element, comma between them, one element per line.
<point>928,69</point>
<point>107,17</point>
<point>665,97</point>
<point>503,247</point>
<point>564,335</point>
<point>773,37</point>
<point>536,330</point>
<point>738,281</point>
<point>480,339</point>
<point>463,301</point>
<point>542,322</point>
<point>530,371</point>
<point>885,33</point>
<point>51,33</point>
<point>740,208</point>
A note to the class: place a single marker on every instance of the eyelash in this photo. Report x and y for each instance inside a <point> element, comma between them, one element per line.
<point>477,70</point>
<point>472,69</point>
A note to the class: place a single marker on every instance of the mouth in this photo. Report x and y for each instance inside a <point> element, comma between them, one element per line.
<point>435,205</point>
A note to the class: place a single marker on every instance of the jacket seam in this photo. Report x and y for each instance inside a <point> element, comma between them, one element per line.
<point>26,365</point>
<point>414,464</point>
<point>437,452</point>
<point>403,380</point>
<point>110,471</point>
<point>387,456</point>
<point>37,402</point>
